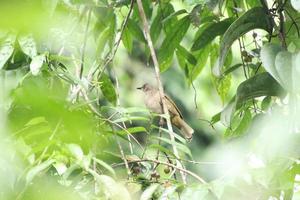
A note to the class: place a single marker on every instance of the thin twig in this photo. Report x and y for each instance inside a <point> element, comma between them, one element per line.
<point>119,104</point>
<point>241,45</point>
<point>111,55</point>
<point>160,87</point>
<point>195,94</point>
<point>123,156</point>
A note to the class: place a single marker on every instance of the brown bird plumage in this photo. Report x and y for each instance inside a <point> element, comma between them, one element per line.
<point>152,101</point>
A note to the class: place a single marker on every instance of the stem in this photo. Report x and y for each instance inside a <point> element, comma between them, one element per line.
<point>160,87</point>
<point>119,104</point>
<point>281,24</point>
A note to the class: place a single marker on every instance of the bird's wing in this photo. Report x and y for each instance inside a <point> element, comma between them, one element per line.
<point>169,100</point>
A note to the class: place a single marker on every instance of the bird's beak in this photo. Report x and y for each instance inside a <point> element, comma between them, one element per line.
<point>139,88</point>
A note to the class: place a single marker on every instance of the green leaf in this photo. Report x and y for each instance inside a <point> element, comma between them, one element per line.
<point>283,65</point>
<point>6,50</point>
<point>266,103</point>
<point>260,85</point>
<point>182,63</point>
<point>231,69</point>
<point>179,146</point>
<point>172,40</point>
<point>255,18</point>
<point>223,85</point>
<point>207,35</point>
<point>187,55</point>
<point>174,14</point>
<point>296,4</point>
<point>105,165</point>
<point>167,10</point>
<point>108,89</point>
<point>132,130</point>
<point>28,45</point>
<point>112,31</point>
<point>156,27</point>
<point>36,64</point>
<point>228,112</point>
<point>135,30</point>
<point>112,189</point>
<point>127,39</point>
<point>76,151</point>
<point>38,169</point>
<point>202,57</point>
<point>148,193</point>
<point>102,41</point>
<point>177,136</point>
<point>36,121</point>
<point>162,149</point>
<point>216,118</point>
<point>268,54</point>
<point>242,124</point>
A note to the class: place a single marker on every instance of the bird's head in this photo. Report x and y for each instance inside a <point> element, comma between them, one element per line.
<point>145,88</point>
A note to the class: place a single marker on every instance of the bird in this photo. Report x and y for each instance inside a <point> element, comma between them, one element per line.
<point>153,102</point>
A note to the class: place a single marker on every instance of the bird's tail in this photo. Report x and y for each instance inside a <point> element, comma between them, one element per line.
<point>185,129</point>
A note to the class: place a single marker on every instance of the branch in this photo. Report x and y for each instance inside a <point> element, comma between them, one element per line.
<point>109,58</point>
<point>169,165</point>
<point>160,87</point>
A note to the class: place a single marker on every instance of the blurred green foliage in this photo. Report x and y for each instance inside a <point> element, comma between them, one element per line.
<point>73,123</point>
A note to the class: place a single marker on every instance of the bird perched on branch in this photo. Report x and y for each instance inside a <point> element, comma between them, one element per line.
<point>153,103</point>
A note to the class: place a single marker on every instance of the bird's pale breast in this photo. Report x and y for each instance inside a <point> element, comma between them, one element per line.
<point>152,101</point>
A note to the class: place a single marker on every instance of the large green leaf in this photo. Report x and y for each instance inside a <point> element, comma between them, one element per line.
<point>167,10</point>
<point>108,89</point>
<point>156,27</point>
<point>240,124</point>
<point>135,30</point>
<point>255,18</point>
<point>210,32</point>
<point>187,55</point>
<point>171,41</point>
<point>260,85</point>
<point>202,57</point>
<point>103,39</point>
<point>127,39</point>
